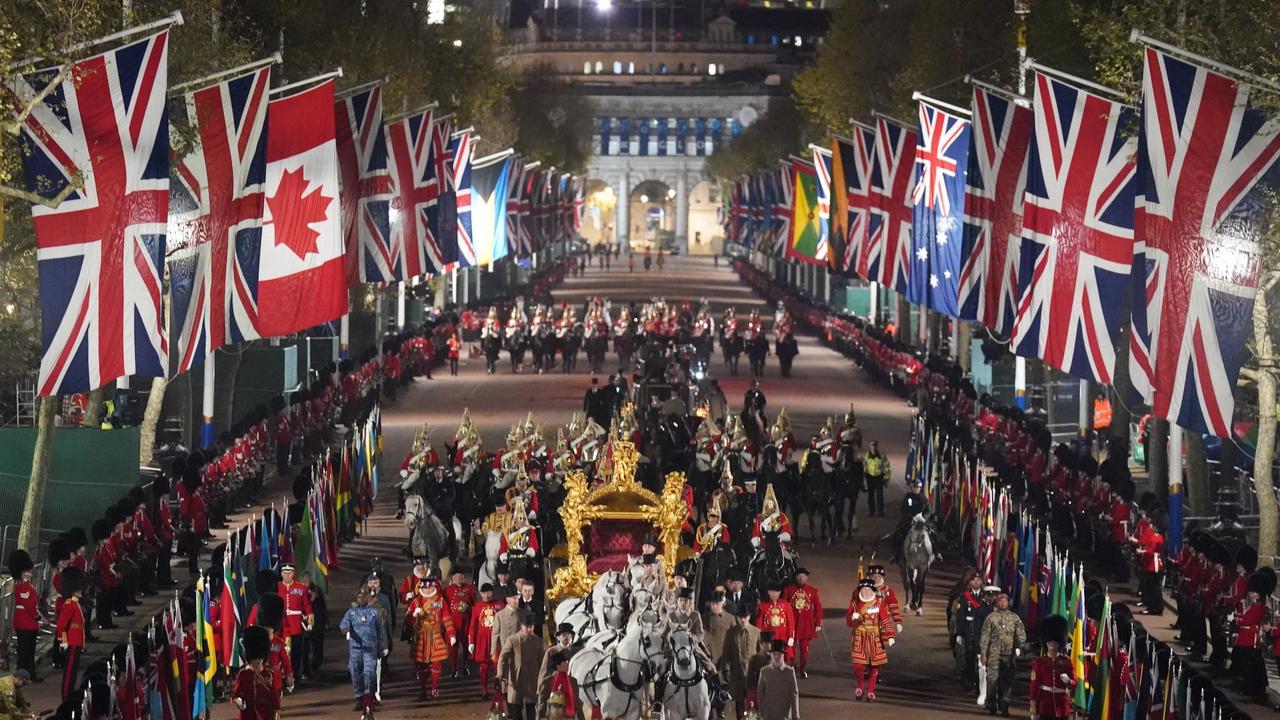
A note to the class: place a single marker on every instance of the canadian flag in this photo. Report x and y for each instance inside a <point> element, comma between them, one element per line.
<point>301,273</point>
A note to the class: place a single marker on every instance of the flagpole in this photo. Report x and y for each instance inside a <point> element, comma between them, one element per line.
<point>1114,94</point>
<point>1136,36</point>
<point>355,90</point>
<point>998,91</point>
<point>174,18</point>
<point>411,113</point>
<point>881,116</point>
<point>309,81</point>
<point>210,79</point>
<point>941,105</point>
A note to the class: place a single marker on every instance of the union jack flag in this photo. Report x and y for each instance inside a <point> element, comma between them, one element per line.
<point>529,187</point>
<point>100,251</point>
<point>216,223</point>
<point>782,209</point>
<point>1077,236</point>
<point>993,210</point>
<point>415,190</point>
<point>822,165</point>
<point>886,257</point>
<point>937,225</point>
<point>366,188</point>
<point>462,147</point>
<point>442,227</point>
<point>1204,150</point>
<point>855,162</point>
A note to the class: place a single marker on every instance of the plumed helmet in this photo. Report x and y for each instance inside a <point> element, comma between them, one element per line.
<point>1053,629</point>
<point>71,581</point>
<point>265,581</point>
<point>101,529</point>
<point>59,549</point>
<point>271,611</point>
<point>187,608</point>
<point>255,643</point>
<point>1248,557</point>
<point>1263,581</point>
<point>20,562</point>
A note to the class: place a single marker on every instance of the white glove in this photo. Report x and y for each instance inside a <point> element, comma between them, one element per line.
<point>404,473</point>
<point>1017,652</point>
<point>453,641</point>
<point>898,627</point>
<point>529,552</point>
<point>817,628</point>
<point>65,646</point>
<point>386,652</point>
<point>959,639</point>
<point>1065,678</point>
<point>784,537</point>
<point>471,648</point>
<point>348,636</point>
<point>755,542</point>
<point>791,642</point>
<point>502,557</point>
<point>240,703</point>
<point>891,641</point>
<point>856,616</point>
<point>417,612</point>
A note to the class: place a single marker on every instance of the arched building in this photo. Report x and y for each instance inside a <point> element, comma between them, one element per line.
<point>670,82</point>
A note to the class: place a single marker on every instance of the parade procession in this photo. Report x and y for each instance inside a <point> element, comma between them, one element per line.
<point>625,360</point>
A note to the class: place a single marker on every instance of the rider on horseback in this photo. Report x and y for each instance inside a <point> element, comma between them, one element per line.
<point>712,534</point>
<point>491,339</point>
<point>913,503</point>
<point>771,520</point>
<point>685,616</point>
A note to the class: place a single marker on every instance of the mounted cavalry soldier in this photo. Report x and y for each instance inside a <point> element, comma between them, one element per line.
<point>849,469</point>
<point>624,339</point>
<point>541,341</point>
<point>516,338</point>
<point>686,616</point>
<point>771,520</point>
<point>569,334</point>
<point>597,337</point>
<point>519,546</point>
<point>491,340</point>
<point>785,346</point>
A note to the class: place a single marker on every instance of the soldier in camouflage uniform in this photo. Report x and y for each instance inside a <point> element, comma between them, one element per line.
<point>1001,643</point>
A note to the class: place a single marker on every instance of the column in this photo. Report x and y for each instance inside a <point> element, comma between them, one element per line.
<point>873,310</point>
<point>622,223</point>
<point>400,301</point>
<point>1173,542</point>
<point>682,213</point>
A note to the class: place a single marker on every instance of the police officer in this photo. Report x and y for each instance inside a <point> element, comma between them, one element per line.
<point>365,641</point>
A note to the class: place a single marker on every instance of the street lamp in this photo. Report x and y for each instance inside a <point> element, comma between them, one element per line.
<point>644,198</point>
<point>1022,8</point>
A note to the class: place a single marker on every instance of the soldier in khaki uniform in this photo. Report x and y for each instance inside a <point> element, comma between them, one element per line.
<point>1001,643</point>
<point>716,624</point>
<point>735,658</point>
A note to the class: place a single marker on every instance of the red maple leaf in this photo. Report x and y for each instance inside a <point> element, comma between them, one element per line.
<point>293,210</point>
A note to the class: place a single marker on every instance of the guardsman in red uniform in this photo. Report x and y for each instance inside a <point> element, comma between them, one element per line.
<point>1150,547</point>
<point>254,689</point>
<point>26,610</point>
<point>777,616</point>
<point>298,613</point>
<point>269,613</point>
<point>1251,621</point>
<point>480,634</point>
<point>70,627</point>
<point>807,606</point>
<point>1052,675</point>
<point>888,598</point>
<point>460,596</point>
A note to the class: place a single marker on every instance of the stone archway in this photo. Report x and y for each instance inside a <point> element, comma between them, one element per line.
<point>599,213</point>
<point>705,233</point>
<point>652,213</point>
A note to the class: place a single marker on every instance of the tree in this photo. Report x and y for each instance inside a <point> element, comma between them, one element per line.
<point>555,120</point>
<point>780,130</point>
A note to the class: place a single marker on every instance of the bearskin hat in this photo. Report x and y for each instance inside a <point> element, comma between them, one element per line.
<point>77,538</point>
<point>191,479</point>
<point>1053,629</point>
<point>178,467</point>
<point>20,562</point>
<point>255,643</point>
<point>160,486</point>
<point>270,611</point>
<point>71,581</point>
<point>1248,557</point>
<point>1160,520</point>
<point>59,549</point>
<point>137,496</point>
<point>301,486</point>
<point>187,608</point>
<point>1218,553</point>
<point>196,460</point>
<point>1094,602</point>
<point>102,529</point>
<point>1263,582</point>
<point>265,581</point>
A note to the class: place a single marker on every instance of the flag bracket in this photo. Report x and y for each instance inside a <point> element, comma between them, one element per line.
<point>174,18</point>
<point>889,118</point>
<point>424,108</point>
<point>1011,96</point>
<point>359,88</point>
<point>1136,36</point>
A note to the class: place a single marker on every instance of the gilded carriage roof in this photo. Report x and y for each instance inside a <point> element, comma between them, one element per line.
<point>620,498</point>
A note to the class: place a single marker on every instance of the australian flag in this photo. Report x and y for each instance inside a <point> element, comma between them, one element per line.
<point>937,226</point>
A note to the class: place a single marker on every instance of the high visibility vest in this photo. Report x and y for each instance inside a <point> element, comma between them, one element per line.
<point>1101,413</point>
<point>874,465</point>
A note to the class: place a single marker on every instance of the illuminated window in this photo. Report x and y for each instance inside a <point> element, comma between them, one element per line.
<point>599,67</point>
<point>617,67</point>
<point>586,68</point>
<point>711,68</point>
<point>798,41</point>
<point>631,68</point>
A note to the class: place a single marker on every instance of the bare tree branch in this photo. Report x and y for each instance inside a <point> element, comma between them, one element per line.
<point>37,199</point>
<point>13,127</point>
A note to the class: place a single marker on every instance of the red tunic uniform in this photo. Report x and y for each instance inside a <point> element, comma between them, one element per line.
<point>480,630</point>
<point>889,600</point>
<point>433,628</point>
<point>409,588</point>
<point>26,606</point>
<point>1050,696</point>
<point>256,691</point>
<point>807,608</point>
<point>780,619</point>
<point>281,665</point>
<point>297,606</point>
<point>872,631</point>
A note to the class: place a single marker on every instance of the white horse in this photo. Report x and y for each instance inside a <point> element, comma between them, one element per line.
<point>604,609</point>
<point>687,695</point>
<point>616,680</point>
<point>427,534</point>
<point>489,568</point>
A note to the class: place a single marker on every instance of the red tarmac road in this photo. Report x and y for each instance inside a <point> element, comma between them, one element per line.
<point>919,678</point>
